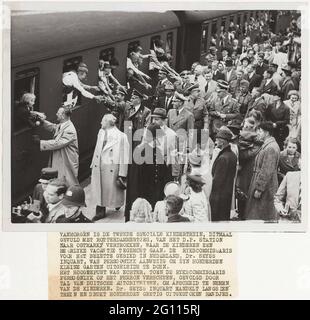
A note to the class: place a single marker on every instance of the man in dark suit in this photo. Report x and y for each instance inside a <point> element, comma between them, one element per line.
<point>287,84</point>
<point>223,174</point>
<point>165,102</point>
<point>230,72</point>
<point>261,66</point>
<point>268,85</point>
<point>253,78</point>
<point>218,70</point>
<point>257,103</point>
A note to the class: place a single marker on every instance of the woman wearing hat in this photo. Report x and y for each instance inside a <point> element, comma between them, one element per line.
<point>295,112</point>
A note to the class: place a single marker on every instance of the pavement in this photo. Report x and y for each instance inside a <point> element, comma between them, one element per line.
<point>112,215</point>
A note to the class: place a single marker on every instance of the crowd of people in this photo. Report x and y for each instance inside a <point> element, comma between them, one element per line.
<point>218,142</point>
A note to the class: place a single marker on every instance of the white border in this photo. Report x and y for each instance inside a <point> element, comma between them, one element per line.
<point>150,6</point>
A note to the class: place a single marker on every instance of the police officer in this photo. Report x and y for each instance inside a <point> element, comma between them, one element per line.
<point>223,108</point>
<point>73,201</point>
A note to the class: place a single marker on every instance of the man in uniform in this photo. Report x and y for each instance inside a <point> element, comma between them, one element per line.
<point>160,88</point>
<point>73,85</point>
<point>222,109</point>
<point>197,106</point>
<point>243,97</point>
<point>181,121</point>
<point>165,102</point>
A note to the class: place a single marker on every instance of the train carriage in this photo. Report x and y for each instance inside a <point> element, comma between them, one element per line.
<point>44,45</point>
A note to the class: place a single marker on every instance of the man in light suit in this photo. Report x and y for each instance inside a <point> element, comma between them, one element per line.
<point>64,146</point>
<point>109,167</point>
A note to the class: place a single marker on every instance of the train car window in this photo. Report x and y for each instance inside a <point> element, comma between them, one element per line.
<point>132,46</point>
<point>155,40</point>
<point>70,96</point>
<point>204,38</point>
<point>71,64</point>
<point>25,82</point>
<point>223,24</point>
<point>214,35</point>
<point>107,54</point>
<point>239,19</point>
<point>169,43</point>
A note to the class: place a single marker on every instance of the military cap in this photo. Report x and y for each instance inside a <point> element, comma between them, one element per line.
<point>74,196</point>
<point>286,68</point>
<point>135,92</point>
<point>159,113</point>
<point>121,90</point>
<point>193,86</point>
<point>169,86</point>
<point>222,84</point>
<point>48,174</point>
<point>178,96</point>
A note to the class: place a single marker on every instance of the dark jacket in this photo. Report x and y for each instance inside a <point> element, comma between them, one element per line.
<point>161,103</point>
<point>264,179</point>
<point>177,218</point>
<point>223,173</point>
<point>254,81</point>
<point>261,69</point>
<point>217,75</point>
<point>286,86</point>
<point>270,88</point>
<point>76,218</point>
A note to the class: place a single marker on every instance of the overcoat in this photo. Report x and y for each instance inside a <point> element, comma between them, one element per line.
<point>65,151</point>
<point>223,174</point>
<point>264,179</point>
<point>110,160</point>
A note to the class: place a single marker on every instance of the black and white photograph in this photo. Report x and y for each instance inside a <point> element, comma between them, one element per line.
<point>162,118</point>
